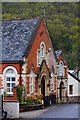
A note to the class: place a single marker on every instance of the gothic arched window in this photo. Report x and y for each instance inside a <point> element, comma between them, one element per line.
<point>61,69</point>
<point>42,50</point>
<point>31,81</point>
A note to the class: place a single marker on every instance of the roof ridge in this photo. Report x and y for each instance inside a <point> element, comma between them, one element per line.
<point>21,19</point>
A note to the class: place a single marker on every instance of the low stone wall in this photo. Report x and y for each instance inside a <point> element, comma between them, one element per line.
<point>74,99</point>
<point>25,107</point>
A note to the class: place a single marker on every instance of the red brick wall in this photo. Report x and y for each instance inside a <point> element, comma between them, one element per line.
<point>61,58</point>
<point>4,65</point>
<point>15,65</point>
<point>32,57</point>
<point>13,97</point>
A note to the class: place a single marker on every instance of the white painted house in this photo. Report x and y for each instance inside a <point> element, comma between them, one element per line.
<point>73,87</point>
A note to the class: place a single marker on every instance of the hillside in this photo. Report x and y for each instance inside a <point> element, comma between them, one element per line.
<point>62,20</point>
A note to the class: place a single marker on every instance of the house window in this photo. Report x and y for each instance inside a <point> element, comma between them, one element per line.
<point>10,76</point>
<point>70,89</point>
<point>42,50</point>
<point>38,57</point>
<point>31,81</point>
<point>61,69</point>
<point>51,82</point>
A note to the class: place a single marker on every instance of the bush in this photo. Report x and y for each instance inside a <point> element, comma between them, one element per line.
<point>19,93</point>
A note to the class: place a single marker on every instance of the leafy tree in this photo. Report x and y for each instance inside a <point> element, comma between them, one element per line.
<point>62,21</point>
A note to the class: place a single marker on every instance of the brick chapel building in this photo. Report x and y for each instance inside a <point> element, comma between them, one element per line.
<point>28,59</point>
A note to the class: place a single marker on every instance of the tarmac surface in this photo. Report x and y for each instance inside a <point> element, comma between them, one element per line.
<point>34,113</point>
<point>56,112</point>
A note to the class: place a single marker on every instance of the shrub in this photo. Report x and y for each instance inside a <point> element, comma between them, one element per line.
<point>19,93</point>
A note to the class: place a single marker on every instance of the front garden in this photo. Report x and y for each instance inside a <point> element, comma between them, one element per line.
<point>28,102</point>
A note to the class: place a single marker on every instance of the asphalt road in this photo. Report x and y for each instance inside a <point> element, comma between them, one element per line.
<point>63,111</point>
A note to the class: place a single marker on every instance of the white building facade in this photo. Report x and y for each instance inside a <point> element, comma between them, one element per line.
<point>73,87</point>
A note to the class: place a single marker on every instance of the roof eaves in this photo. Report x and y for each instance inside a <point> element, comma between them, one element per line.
<point>12,61</point>
<point>74,76</point>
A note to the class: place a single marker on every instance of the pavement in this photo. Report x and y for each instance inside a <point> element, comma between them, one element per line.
<point>35,113</point>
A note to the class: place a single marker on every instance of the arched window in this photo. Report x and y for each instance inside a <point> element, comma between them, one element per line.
<point>38,57</point>
<point>31,81</point>
<point>61,69</point>
<point>10,78</point>
<point>42,50</point>
<point>52,81</point>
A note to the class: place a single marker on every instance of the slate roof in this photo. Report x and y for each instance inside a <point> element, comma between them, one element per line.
<point>17,38</point>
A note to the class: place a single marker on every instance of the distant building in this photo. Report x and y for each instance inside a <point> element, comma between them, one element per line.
<point>62,77</point>
<point>73,86</point>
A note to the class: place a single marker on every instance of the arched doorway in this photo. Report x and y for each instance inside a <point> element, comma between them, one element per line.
<point>43,86</point>
<point>61,90</point>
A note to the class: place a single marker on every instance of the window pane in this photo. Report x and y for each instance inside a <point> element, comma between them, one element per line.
<point>13,84</point>
<point>8,84</point>
<point>70,89</point>
<point>8,78</point>
<point>38,57</point>
<point>61,69</point>
<point>31,80</point>
<point>42,50</point>
<point>31,88</point>
<point>11,89</point>
<point>13,79</point>
<point>8,89</point>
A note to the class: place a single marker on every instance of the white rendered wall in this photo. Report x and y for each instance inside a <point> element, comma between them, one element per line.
<point>12,109</point>
<point>72,81</point>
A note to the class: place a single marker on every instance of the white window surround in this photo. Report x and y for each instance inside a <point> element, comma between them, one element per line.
<point>42,54</point>
<point>10,78</point>
<point>31,81</point>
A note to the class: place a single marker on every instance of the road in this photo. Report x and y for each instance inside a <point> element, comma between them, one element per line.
<point>55,111</point>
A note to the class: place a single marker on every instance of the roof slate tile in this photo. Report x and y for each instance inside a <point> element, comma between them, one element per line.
<point>16,37</point>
